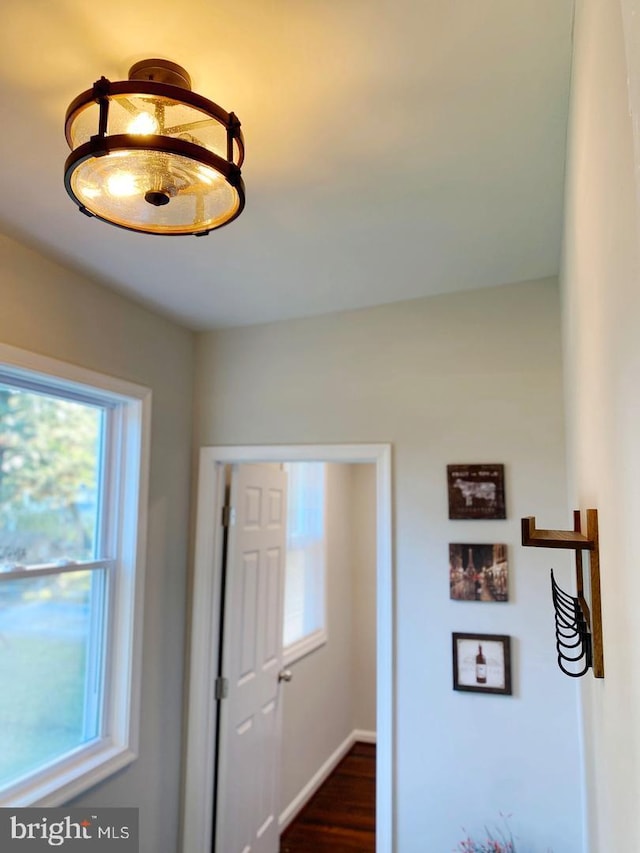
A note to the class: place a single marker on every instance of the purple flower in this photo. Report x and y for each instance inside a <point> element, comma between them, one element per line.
<point>490,844</point>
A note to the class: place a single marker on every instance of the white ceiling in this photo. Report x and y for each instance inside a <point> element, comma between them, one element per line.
<point>394,149</point>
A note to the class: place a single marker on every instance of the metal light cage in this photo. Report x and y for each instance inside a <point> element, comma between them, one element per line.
<point>150,155</point>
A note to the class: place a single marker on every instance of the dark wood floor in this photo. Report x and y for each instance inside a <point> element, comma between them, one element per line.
<point>341,816</point>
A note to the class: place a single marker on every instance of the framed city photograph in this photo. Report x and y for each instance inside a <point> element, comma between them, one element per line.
<point>482,663</point>
<point>476,491</point>
<point>478,572</point>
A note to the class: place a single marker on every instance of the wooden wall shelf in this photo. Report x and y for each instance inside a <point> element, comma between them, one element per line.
<point>575,540</point>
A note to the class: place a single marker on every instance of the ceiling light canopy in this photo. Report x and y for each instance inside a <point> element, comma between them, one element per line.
<point>150,155</point>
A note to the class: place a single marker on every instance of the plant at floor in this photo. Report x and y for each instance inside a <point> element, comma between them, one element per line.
<point>501,842</point>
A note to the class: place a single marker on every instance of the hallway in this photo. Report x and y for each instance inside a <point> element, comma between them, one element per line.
<point>340,817</point>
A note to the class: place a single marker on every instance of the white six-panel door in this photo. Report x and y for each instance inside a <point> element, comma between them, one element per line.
<point>249,747</point>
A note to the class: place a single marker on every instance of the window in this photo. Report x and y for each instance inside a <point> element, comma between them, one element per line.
<point>304,591</point>
<point>73,448</point>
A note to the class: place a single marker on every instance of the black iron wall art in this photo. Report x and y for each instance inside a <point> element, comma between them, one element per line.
<point>573,640</point>
<point>578,624</point>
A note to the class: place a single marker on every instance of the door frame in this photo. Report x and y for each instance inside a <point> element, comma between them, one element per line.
<point>201,710</point>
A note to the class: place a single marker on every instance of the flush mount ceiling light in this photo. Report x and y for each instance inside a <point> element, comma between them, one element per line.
<point>150,155</point>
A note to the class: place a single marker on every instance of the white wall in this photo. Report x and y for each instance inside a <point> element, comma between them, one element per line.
<point>472,377</point>
<point>333,688</point>
<point>47,309</point>
<point>601,292</point>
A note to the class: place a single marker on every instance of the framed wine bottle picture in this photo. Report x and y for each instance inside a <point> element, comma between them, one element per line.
<point>482,663</point>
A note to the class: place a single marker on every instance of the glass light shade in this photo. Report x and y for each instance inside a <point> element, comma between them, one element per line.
<point>154,157</point>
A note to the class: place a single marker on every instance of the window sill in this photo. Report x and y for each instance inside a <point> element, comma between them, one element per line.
<point>68,779</point>
<point>304,647</point>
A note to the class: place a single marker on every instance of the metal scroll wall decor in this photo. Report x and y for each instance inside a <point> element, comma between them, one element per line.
<point>573,640</point>
<point>578,625</point>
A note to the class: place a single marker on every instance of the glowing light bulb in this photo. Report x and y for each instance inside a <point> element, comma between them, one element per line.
<point>122,184</point>
<point>207,175</point>
<point>143,124</point>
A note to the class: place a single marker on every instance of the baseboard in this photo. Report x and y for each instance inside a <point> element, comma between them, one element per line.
<point>363,736</point>
<point>305,794</point>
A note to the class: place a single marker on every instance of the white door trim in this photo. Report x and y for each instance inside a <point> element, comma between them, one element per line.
<point>197,807</point>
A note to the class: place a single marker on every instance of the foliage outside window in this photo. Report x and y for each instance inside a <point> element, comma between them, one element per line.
<point>70,471</point>
<point>50,469</point>
<point>304,626</point>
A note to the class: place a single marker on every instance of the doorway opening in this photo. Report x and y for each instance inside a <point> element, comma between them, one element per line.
<point>197,831</point>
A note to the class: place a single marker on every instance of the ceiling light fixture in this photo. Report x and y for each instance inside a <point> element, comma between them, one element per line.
<point>150,155</point>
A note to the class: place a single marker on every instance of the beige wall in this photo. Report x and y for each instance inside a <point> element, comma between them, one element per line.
<point>601,295</point>
<point>471,377</point>
<point>47,309</point>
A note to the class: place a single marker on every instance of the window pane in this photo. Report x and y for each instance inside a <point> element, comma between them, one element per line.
<point>50,465</point>
<point>304,573</point>
<point>50,668</point>
<point>305,506</point>
<point>293,598</point>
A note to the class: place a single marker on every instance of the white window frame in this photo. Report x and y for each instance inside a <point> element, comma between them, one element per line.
<point>318,637</point>
<point>126,500</point>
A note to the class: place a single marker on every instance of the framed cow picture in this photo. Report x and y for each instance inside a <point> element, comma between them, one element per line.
<point>476,491</point>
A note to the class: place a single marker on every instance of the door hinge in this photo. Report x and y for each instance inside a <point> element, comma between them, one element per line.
<point>222,688</point>
<point>228,516</point>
